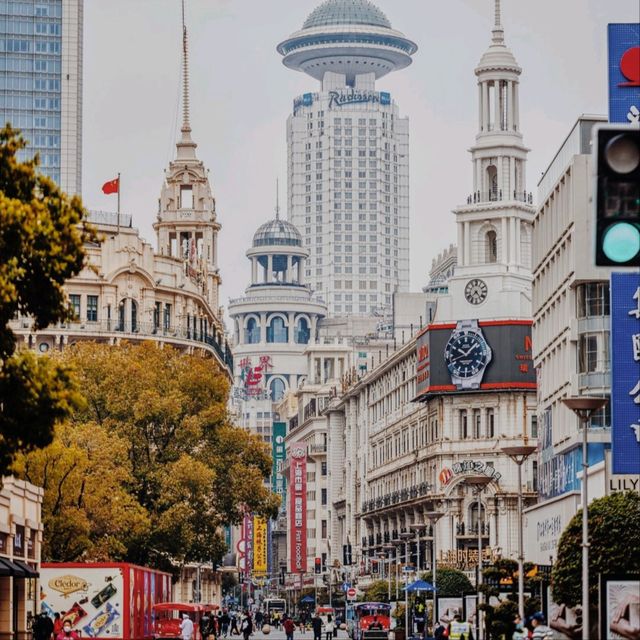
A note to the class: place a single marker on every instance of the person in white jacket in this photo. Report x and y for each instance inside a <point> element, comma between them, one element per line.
<point>186,627</point>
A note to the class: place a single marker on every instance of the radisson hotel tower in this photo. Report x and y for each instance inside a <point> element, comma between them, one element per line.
<point>348,157</point>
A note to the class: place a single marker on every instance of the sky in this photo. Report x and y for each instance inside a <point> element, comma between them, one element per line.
<point>241,95</point>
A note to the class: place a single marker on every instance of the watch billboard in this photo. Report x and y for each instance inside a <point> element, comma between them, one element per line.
<point>509,367</point>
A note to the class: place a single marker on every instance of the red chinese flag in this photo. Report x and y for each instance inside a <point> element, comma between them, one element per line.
<point>112,186</point>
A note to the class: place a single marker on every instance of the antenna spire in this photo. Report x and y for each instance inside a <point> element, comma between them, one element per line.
<point>186,126</point>
<point>497,31</point>
<point>277,199</point>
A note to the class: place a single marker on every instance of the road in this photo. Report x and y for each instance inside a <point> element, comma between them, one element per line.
<point>280,635</point>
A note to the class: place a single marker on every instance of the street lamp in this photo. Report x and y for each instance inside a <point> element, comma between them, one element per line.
<point>584,407</point>
<point>519,455</point>
<point>388,548</point>
<point>433,517</point>
<point>480,483</point>
<point>418,528</point>
<point>406,536</point>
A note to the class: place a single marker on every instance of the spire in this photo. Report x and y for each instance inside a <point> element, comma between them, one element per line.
<point>186,146</point>
<point>277,199</point>
<point>497,31</point>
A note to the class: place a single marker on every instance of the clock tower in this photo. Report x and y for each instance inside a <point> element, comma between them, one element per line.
<point>493,275</point>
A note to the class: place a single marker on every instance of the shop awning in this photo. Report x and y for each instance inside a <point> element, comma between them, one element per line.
<point>9,568</point>
<point>27,568</point>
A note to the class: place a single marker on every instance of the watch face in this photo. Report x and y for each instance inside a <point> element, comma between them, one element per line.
<point>467,353</point>
<point>476,291</point>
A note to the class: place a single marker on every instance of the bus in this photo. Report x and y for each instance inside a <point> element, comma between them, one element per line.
<point>273,605</point>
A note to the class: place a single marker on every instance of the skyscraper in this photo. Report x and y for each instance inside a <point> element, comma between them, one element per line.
<point>348,157</point>
<point>41,82</point>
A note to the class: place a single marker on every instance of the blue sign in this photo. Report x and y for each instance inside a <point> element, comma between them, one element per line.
<point>346,586</point>
<point>624,73</point>
<point>625,372</point>
<point>305,100</point>
<point>385,97</point>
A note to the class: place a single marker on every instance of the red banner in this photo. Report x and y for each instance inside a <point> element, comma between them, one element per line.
<point>298,509</point>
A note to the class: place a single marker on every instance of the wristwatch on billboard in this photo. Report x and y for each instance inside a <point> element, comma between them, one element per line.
<point>467,355</point>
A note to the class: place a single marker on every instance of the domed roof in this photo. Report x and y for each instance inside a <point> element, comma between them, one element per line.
<point>347,12</point>
<point>277,232</point>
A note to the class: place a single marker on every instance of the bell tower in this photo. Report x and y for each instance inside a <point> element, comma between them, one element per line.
<point>186,226</point>
<point>493,275</point>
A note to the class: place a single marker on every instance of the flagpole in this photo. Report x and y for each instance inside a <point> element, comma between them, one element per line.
<point>118,202</point>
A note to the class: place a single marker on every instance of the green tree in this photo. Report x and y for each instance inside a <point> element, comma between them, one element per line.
<point>378,591</point>
<point>42,237</point>
<point>614,538</point>
<point>450,582</point>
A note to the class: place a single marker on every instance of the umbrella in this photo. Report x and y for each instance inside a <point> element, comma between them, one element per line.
<point>419,585</point>
<point>308,600</point>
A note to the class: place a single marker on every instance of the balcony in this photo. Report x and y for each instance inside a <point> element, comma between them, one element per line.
<point>496,195</point>
<point>471,530</point>
<point>107,329</point>
<point>397,497</point>
<point>317,449</point>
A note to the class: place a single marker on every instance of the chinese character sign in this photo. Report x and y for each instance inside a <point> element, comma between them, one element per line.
<point>298,507</point>
<point>248,541</point>
<point>625,372</point>
<point>259,546</point>
<point>278,484</point>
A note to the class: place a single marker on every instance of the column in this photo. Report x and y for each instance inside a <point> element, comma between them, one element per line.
<point>480,123</point>
<point>291,316</point>
<point>254,270</point>
<point>512,176</point>
<point>500,182</point>
<point>516,109</point>
<point>467,243</point>
<point>263,327</point>
<point>496,105</point>
<point>314,327</point>
<point>289,275</point>
<point>509,105</point>
<point>300,271</point>
<point>478,176</point>
<point>485,106</point>
<point>269,277</point>
<point>504,243</point>
<point>461,244</point>
<point>518,226</point>
<point>512,240</point>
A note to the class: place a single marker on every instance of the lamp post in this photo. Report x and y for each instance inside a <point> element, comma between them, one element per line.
<point>418,528</point>
<point>406,536</point>
<point>519,455</point>
<point>480,483</point>
<point>433,517</point>
<point>388,548</point>
<point>584,407</point>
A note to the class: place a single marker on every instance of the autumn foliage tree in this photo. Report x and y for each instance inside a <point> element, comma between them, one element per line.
<point>42,239</point>
<point>174,467</point>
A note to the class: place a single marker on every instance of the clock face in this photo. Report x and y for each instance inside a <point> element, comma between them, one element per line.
<point>476,291</point>
<point>466,354</point>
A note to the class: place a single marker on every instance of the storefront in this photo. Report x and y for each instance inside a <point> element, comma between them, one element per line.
<point>20,542</point>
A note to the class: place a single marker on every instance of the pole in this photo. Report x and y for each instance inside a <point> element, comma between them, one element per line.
<point>118,214</point>
<point>585,535</point>
<point>330,594</point>
<point>418,554</point>
<point>433,571</point>
<point>389,577</point>
<point>479,616</point>
<point>520,546</point>
<point>406,592</point>
<point>396,559</point>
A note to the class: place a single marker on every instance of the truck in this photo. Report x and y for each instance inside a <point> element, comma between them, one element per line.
<point>104,600</point>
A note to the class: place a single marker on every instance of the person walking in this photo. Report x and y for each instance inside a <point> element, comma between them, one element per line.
<point>224,623</point>
<point>328,628</point>
<point>259,619</point>
<point>234,623</point>
<point>289,627</point>
<point>316,625</point>
<point>540,629</point>
<point>186,627</point>
<point>459,630</point>
<point>205,626</point>
<point>42,627</point>
<point>246,626</point>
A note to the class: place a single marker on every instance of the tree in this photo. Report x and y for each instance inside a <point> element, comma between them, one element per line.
<point>378,591</point>
<point>614,535</point>
<point>450,582</point>
<point>42,237</point>
<point>185,466</point>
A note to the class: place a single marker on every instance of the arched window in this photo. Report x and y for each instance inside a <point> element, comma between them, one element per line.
<point>134,315</point>
<point>492,180</point>
<point>302,331</point>
<point>252,332</point>
<point>277,389</point>
<point>491,246</point>
<point>277,331</point>
<point>473,518</point>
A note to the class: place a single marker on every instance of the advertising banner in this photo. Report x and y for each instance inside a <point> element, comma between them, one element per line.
<point>621,617</point>
<point>624,72</point>
<point>247,534</point>
<point>475,355</point>
<point>298,507</point>
<point>278,484</point>
<point>625,373</point>
<point>259,546</point>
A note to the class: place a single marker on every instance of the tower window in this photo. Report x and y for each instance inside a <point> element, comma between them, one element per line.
<point>186,198</point>
<point>491,246</point>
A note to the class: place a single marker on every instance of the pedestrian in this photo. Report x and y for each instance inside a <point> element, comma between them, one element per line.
<point>289,628</point>
<point>458,630</point>
<point>259,619</point>
<point>246,626</point>
<point>328,628</point>
<point>67,633</point>
<point>438,632</point>
<point>224,623</point>
<point>316,625</point>
<point>205,626</point>
<point>57,624</point>
<point>519,633</point>
<point>186,627</point>
<point>234,623</point>
<point>540,629</point>
<point>42,627</point>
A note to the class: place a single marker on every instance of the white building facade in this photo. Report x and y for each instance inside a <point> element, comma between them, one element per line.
<point>348,157</point>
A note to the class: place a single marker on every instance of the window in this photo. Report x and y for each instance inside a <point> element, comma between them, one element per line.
<point>134,315</point>
<point>601,419</point>
<point>92,308</point>
<point>491,427</point>
<point>166,324</point>
<point>463,424</point>
<point>323,528</point>
<point>592,299</point>
<point>277,389</point>
<point>74,304</point>
<point>476,423</point>
<point>121,315</point>
<point>186,198</point>
<point>588,353</point>
<point>252,332</point>
<point>157,311</point>
<point>491,246</point>
<point>302,333</point>
<point>534,426</point>
<point>323,468</point>
<point>277,331</point>
<point>323,497</point>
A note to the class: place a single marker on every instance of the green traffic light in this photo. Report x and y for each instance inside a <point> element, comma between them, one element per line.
<point>621,242</point>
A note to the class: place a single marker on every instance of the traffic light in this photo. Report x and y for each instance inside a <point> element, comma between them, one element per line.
<point>617,197</point>
<point>317,565</point>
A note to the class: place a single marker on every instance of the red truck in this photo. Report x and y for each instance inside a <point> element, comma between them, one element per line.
<point>104,600</point>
